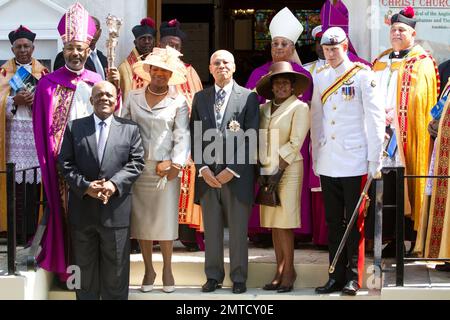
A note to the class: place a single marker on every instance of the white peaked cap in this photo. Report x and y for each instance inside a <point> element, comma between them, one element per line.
<point>333,36</point>
<point>315,31</point>
<point>285,24</point>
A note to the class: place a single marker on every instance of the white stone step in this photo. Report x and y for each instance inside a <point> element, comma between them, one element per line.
<point>185,293</point>
<point>188,268</point>
<point>26,285</point>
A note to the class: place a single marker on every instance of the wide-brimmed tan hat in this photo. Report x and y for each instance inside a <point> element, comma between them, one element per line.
<point>264,85</point>
<point>165,58</point>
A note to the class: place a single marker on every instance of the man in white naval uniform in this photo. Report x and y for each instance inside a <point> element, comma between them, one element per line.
<point>312,67</point>
<point>347,132</point>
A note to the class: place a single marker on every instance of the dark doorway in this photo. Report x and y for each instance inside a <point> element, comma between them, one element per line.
<point>197,20</point>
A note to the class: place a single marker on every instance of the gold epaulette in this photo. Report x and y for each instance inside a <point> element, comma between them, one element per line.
<point>325,66</point>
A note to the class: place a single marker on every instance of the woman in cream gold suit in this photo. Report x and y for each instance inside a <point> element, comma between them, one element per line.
<point>286,121</point>
<point>163,118</point>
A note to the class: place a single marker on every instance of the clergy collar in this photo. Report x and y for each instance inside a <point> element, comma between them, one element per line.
<point>73,71</point>
<point>399,55</point>
<point>22,64</point>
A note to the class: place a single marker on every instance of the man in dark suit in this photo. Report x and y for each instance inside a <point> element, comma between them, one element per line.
<point>224,185</point>
<point>100,158</point>
<point>96,62</point>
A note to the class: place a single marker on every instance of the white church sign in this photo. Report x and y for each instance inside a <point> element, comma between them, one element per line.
<point>433,24</point>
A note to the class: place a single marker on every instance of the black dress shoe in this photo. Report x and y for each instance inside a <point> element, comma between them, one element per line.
<point>239,287</point>
<point>443,267</point>
<point>282,289</point>
<point>331,286</point>
<point>211,285</point>
<point>271,286</point>
<point>351,288</point>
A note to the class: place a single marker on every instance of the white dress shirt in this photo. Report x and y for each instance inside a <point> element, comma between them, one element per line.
<point>106,128</point>
<point>227,88</point>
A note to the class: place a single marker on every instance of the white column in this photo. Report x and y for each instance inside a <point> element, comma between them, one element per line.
<point>360,28</point>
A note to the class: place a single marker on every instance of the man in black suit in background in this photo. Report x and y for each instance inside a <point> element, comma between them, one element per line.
<point>100,158</point>
<point>224,187</point>
<point>96,62</point>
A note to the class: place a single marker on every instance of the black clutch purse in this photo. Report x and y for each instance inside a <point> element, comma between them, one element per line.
<point>267,198</point>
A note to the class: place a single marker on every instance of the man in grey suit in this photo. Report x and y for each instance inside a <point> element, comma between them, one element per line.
<point>224,185</point>
<point>100,158</point>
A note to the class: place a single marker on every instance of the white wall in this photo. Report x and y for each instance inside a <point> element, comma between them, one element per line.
<point>42,17</point>
<point>360,27</point>
<point>131,11</point>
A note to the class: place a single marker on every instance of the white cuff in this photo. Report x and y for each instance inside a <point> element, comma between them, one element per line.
<point>200,171</point>
<point>234,173</point>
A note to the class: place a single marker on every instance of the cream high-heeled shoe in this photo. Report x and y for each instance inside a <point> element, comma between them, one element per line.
<point>168,289</point>
<point>146,287</point>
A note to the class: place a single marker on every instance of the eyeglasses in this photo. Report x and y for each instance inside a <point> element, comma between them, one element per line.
<point>282,44</point>
<point>217,63</point>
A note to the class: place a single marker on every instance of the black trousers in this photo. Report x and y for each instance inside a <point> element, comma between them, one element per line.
<point>340,197</point>
<point>103,255</point>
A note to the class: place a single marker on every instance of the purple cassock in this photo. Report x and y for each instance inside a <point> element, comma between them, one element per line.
<point>51,112</point>
<point>336,15</point>
<point>305,214</point>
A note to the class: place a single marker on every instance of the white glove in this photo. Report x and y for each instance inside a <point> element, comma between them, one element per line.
<point>374,170</point>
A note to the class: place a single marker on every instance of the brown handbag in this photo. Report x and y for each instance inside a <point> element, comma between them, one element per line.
<point>267,198</point>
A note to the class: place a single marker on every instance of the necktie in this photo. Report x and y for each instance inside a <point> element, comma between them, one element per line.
<point>101,141</point>
<point>97,64</point>
<point>220,100</point>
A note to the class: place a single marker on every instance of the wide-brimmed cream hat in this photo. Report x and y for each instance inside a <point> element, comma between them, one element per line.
<point>264,85</point>
<point>165,58</point>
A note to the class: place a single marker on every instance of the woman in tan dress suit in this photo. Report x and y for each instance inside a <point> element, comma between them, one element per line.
<point>286,120</point>
<point>163,118</point>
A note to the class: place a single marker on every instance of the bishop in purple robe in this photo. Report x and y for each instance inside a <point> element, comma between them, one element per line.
<point>61,96</point>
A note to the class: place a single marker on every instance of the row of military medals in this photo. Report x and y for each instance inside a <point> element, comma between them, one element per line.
<point>348,93</point>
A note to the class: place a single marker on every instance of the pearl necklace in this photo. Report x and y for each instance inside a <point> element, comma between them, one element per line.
<point>276,105</point>
<point>157,94</point>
